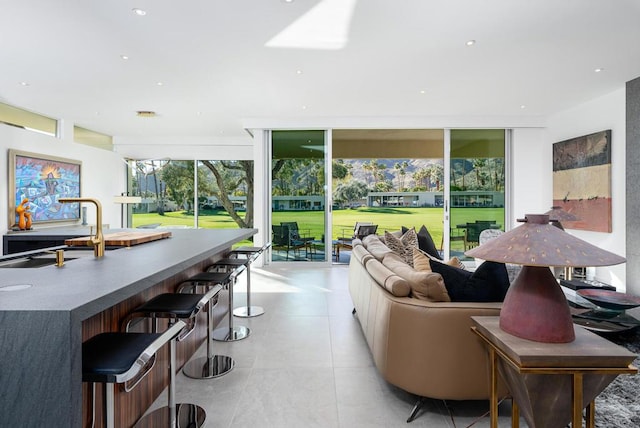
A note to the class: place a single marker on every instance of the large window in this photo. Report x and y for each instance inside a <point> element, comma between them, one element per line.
<point>223,197</point>
<point>20,118</point>
<point>92,138</point>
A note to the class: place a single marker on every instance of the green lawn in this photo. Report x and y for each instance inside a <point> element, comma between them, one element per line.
<point>311,223</point>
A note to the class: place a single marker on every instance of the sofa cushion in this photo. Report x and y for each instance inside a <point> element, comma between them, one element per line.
<point>424,285</point>
<point>404,245</point>
<point>422,261</point>
<point>375,246</point>
<point>361,254</point>
<point>425,241</point>
<point>489,283</point>
<point>391,282</point>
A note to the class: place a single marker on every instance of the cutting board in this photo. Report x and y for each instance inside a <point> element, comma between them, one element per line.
<point>122,239</point>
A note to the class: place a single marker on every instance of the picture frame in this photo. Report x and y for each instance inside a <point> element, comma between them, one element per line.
<point>43,179</point>
<point>582,181</point>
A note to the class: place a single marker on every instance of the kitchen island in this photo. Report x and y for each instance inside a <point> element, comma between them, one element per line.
<point>46,313</point>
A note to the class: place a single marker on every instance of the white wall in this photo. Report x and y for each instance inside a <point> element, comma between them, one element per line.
<point>102,177</point>
<point>531,173</point>
<point>607,112</point>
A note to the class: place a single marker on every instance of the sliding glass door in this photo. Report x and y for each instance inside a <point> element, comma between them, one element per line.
<point>477,186</point>
<point>298,196</point>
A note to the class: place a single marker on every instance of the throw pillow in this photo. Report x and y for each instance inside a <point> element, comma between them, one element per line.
<point>489,283</point>
<point>422,261</point>
<point>424,285</point>
<point>404,245</point>
<point>425,242</point>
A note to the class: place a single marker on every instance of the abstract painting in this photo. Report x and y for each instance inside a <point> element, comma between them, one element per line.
<point>582,180</point>
<point>42,180</point>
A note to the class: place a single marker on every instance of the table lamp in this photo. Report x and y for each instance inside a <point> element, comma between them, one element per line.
<point>535,307</point>
<point>125,199</point>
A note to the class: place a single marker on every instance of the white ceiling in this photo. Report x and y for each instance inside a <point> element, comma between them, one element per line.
<point>217,72</point>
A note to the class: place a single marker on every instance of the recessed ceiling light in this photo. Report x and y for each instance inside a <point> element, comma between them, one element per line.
<point>598,70</point>
<point>288,1</point>
<point>470,42</point>
<point>24,83</point>
<point>139,12</point>
<point>422,91</point>
<point>298,72</point>
<point>523,106</point>
<point>304,107</point>
<point>124,57</point>
<point>159,83</point>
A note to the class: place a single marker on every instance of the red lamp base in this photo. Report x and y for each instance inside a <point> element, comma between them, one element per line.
<point>535,308</point>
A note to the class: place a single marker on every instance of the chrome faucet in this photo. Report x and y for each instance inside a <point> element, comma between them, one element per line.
<point>97,241</point>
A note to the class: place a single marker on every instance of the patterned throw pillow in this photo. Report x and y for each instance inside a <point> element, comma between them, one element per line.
<point>404,245</point>
<point>425,241</point>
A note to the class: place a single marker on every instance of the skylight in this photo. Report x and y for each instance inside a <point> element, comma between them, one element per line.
<point>325,26</point>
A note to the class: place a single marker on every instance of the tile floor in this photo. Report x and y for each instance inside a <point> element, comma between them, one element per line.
<point>306,364</point>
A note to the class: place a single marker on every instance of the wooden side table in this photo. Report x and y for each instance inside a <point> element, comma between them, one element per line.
<point>551,382</point>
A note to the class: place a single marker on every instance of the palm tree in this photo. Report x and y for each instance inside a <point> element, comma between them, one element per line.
<point>401,167</point>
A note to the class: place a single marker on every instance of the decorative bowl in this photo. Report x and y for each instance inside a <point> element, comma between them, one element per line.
<point>609,299</point>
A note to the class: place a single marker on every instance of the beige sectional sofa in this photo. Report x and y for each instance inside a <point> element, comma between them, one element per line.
<point>426,348</point>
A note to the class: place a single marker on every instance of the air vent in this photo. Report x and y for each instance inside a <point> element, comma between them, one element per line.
<point>146,113</point>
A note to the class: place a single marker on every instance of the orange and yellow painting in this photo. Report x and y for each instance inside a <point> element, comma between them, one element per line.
<point>582,180</point>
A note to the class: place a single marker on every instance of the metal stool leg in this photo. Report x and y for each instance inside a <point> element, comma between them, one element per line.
<point>212,365</point>
<point>248,311</point>
<point>183,415</point>
<point>231,333</point>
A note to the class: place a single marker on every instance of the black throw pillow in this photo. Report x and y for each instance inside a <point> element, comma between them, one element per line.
<point>425,242</point>
<point>489,283</point>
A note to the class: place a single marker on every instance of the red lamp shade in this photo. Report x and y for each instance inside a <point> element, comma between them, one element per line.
<point>535,307</point>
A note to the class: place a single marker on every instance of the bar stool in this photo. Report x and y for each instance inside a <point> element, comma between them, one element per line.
<point>251,253</point>
<point>174,307</point>
<point>212,365</point>
<point>117,358</point>
<point>232,332</point>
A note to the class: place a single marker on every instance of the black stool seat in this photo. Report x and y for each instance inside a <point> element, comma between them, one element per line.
<point>217,277</point>
<point>108,355</point>
<point>247,250</point>
<point>229,262</point>
<point>178,305</point>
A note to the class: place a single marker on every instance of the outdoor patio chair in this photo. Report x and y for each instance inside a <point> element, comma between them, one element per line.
<point>282,240</point>
<point>294,232</point>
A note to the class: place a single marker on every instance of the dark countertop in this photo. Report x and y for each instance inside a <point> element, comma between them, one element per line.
<point>86,285</point>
